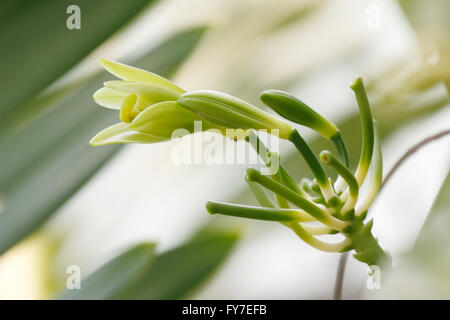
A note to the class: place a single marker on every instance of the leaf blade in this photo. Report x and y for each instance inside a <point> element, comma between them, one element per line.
<point>51,159</point>
<point>178,272</point>
<point>114,279</point>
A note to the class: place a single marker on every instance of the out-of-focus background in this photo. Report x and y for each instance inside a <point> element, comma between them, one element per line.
<point>63,203</point>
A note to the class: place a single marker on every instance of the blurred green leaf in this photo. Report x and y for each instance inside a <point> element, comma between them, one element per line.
<point>424,14</point>
<point>431,22</point>
<point>137,274</point>
<point>49,159</point>
<point>433,242</point>
<point>423,271</point>
<point>22,116</point>
<point>30,30</point>
<point>176,273</point>
<point>115,279</point>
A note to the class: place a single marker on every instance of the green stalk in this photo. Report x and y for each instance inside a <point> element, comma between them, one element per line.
<point>263,152</point>
<point>327,158</point>
<point>313,242</point>
<point>296,199</point>
<point>376,177</point>
<point>282,202</point>
<point>306,186</point>
<point>316,229</point>
<point>341,148</point>
<point>367,130</point>
<point>313,164</point>
<point>259,213</point>
<point>260,194</point>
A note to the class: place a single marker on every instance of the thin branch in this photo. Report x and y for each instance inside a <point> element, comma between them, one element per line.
<point>340,276</point>
<point>411,151</point>
<point>406,155</point>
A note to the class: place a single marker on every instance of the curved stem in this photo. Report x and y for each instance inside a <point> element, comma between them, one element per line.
<point>317,229</point>
<point>316,243</point>
<point>313,164</point>
<point>260,194</point>
<point>341,149</point>
<point>296,199</point>
<point>327,158</point>
<point>367,130</point>
<point>340,276</point>
<point>263,152</point>
<point>411,151</point>
<point>376,177</point>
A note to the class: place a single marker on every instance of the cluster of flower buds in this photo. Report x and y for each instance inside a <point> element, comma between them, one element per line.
<point>152,108</point>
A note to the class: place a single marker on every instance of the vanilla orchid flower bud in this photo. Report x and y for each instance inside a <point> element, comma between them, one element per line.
<point>296,111</point>
<point>230,112</point>
<point>148,109</point>
<point>162,119</point>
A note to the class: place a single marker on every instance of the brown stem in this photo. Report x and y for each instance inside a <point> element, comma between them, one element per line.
<point>411,151</point>
<point>340,276</point>
<point>403,158</point>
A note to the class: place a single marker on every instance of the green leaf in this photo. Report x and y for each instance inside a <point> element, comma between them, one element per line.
<point>39,48</point>
<point>425,267</point>
<point>115,279</point>
<point>50,159</point>
<point>433,242</point>
<point>24,115</point>
<point>176,273</point>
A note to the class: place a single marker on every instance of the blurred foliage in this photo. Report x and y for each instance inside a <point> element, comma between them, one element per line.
<point>431,23</point>
<point>140,274</point>
<point>423,272</point>
<point>50,159</point>
<point>116,278</point>
<point>34,32</point>
<point>41,163</point>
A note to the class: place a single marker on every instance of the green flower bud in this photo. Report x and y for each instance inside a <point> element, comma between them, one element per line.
<point>162,119</point>
<point>148,108</point>
<point>121,133</point>
<point>230,112</point>
<point>296,111</point>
